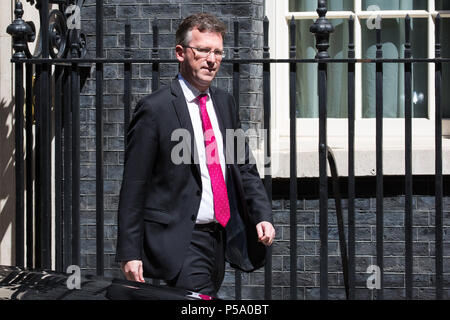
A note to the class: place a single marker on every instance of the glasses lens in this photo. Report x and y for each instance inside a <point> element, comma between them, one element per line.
<point>205,52</point>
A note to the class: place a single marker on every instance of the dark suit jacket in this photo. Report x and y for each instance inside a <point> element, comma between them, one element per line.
<point>159,200</point>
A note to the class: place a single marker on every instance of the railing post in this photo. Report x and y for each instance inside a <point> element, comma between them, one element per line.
<point>408,166</point>
<point>155,55</point>
<point>29,164</point>
<point>322,29</point>
<point>99,188</point>
<point>267,151</point>
<point>156,75</point>
<point>67,168</point>
<point>44,141</point>
<point>236,91</point>
<point>379,163</point>
<point>75,103</point>
<point>59,235</point>
<point>351,160</point>
<point>439,249</point>
<point>293,162</point>
<point>127,80</point>
<point>19,31</point>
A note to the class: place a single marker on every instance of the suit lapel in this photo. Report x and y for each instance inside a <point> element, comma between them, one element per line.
<point>181,109</point>
<point>219,108</point>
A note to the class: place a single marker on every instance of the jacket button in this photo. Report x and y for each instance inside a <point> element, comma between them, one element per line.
<point>199,193</point>
<point>193,217</point>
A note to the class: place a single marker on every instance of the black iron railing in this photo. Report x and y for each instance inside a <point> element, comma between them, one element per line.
<point>64,56</point>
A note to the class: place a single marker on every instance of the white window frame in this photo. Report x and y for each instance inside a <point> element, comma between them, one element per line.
<point>307,129</point>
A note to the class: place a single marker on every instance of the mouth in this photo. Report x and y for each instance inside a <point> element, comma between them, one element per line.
<point>209,69</point>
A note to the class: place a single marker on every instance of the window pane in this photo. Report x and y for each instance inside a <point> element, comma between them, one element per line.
<point>396,4</point>
<point>445,43</point>
<point>393,40</point>
<point>311,5</point>
<point>442,5</point>
<point>306,90</point>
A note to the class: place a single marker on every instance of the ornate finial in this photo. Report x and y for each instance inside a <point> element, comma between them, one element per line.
<point>407,36</point>
<point>438,36</point>
<point>236,39</point>
<point>127,38</point>
<point>379,44</point>
<point>155,49</point>
<point>266,37</point>
<point>322,29</point>
<point>18,10</point>
<point>322,8</point>
<point>351,37</point>
<point>20,32</point>
<point>292,47</point>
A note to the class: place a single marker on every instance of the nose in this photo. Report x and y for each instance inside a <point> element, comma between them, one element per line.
<point>211,58</point>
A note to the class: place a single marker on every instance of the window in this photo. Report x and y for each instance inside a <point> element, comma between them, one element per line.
<point>392,12</point>
<point>393,31</point>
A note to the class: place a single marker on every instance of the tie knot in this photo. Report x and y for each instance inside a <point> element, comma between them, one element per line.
<point>202,99</point>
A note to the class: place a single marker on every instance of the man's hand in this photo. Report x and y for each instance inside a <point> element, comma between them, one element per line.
<point>266,232</point>
<point>133,270</point>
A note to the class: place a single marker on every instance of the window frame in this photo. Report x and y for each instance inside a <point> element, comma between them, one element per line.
<point>365,128</point>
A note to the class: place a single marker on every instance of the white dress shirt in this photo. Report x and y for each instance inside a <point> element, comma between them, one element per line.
<point>206,210</point>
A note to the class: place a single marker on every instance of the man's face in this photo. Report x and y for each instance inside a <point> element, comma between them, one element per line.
<point>197,69</point>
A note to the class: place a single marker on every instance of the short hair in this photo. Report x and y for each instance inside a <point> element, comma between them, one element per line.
<point>203,22</point>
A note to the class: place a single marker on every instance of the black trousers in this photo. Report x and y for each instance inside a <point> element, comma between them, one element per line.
<point>203,269</point>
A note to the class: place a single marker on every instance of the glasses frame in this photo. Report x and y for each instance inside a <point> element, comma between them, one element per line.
<point>221,56</point>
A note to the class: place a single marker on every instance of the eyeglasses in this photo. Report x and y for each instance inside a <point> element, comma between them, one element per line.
<point>205,52</point>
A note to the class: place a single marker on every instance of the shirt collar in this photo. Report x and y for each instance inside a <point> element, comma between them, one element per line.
<point>190,92</point>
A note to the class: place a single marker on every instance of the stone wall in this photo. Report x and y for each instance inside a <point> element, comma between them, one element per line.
<point>308,246</point>
<point>142,14</point>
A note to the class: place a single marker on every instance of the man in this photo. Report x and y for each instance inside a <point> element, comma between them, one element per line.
<point>179,221</point>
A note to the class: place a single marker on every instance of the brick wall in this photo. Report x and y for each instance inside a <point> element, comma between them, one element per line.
<point>168,14</point>
<point>308,246</point>
<point>142,14</point>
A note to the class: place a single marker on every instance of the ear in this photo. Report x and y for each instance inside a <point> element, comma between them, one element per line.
<point>179,53</point>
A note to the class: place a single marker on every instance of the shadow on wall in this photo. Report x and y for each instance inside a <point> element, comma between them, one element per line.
<point>7,183</point>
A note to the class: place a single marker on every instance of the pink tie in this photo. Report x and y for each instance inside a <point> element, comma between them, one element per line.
<point>219,189</point>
